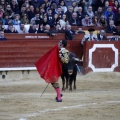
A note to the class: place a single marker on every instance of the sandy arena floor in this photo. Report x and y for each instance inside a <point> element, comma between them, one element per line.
<point>97,97</point>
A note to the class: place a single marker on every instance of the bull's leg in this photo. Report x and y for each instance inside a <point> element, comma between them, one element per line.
<point>74,87</point>
<point>63,83</point>
<point>66,83</point>
<point>74,77</point>
<point>70,84</point>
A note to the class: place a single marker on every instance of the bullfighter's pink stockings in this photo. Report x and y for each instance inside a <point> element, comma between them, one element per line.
<point>58,93</point>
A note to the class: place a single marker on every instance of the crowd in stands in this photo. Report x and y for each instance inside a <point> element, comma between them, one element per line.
<point>44,15</point>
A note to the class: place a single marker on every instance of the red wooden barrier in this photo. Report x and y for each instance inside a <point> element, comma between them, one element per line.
<point>43,36</point>
<point>101,56</point>
<point>24,53</point>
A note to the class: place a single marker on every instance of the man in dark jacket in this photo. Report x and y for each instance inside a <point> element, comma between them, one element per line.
<point>115,37</point>
<point>10,29</point>
<point>101,36</point>
<point>69,33</point>
<point>74,21</point>
<point>2,37</point>
<point>111,28</point>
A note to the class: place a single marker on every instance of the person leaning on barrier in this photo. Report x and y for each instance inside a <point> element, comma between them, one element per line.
<point>48,30</point>
<point>69,33</point>
<point>89,37</point>
<point>79,31</point>
<point>116,37</point>
<point>111,28</point>
<point>101,35</point>
<point>2,37</point>
<point>22,29</point>
<point>11,29</point>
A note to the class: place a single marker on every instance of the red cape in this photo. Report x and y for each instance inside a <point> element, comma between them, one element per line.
<point>49,65</point>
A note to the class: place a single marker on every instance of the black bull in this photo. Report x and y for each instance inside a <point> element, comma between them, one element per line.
<point>69,72</point>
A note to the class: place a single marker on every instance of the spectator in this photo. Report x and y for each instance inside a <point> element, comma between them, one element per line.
<point>7,20</point>
<point>58,28</point>
<point>45,21</point>
<point>56,19</point>
<point>1,14</point>
<point>106,6</point>
<point>1,26</point>
<point>42,13</point>
<point>89,37</point>
<point>20,2</point>
<point>41,28</point>
<point>2,37</point>
<point>101,35</point>
<point>33,28</point>
<point>115,7</point>
<point>31,13</point>
<point>36,19</point>
<point>53,7</point>
<point>48,31</point>
<point>22,10</point>
<point>117,18</point>
<point>25,19</point>
<point>44,7</point>
<point>50,18</point>
<point>9,11</point>
<point>109,12</point>
<point>111,2</point>
<point>74,21</point>
<point>36,3</point>
<point>99,12</point>
<point>74,5</point>
<point>26,4</point>
<point>10,29</point>
<point>63,6</point>
<point>79,31</point>
<point>103,21</point>
<point>14,6</point>
<point>90,12</point>
<point>110,17</point>
<point>82,3</point>
<point>80,14</point>
<point>69,12</point>
<point>115,37</point>
<point>63,21</point>
<point>16,20</point>
<point>95,21</point>
<point>111,27</point>
<point>22,29</point>
<point>88,3</point>
<point>87,21</point>
<point>59,11</point>
<point>69,33</point>
<point>45,4</point>
<point>98,3</point>
<point>3,4</point>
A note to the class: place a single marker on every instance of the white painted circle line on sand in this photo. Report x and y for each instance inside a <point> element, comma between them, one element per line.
<point>67,107</point>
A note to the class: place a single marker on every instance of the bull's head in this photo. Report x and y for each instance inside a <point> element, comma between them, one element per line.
<point>72,63</point>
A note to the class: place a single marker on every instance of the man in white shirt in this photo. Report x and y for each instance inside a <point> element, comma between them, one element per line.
<point>89,37</point>
<point>22,29</point>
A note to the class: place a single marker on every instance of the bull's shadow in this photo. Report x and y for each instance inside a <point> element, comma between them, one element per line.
<point>69,72</point>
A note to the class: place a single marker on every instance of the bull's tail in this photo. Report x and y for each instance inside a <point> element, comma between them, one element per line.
<point>78,69</point>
